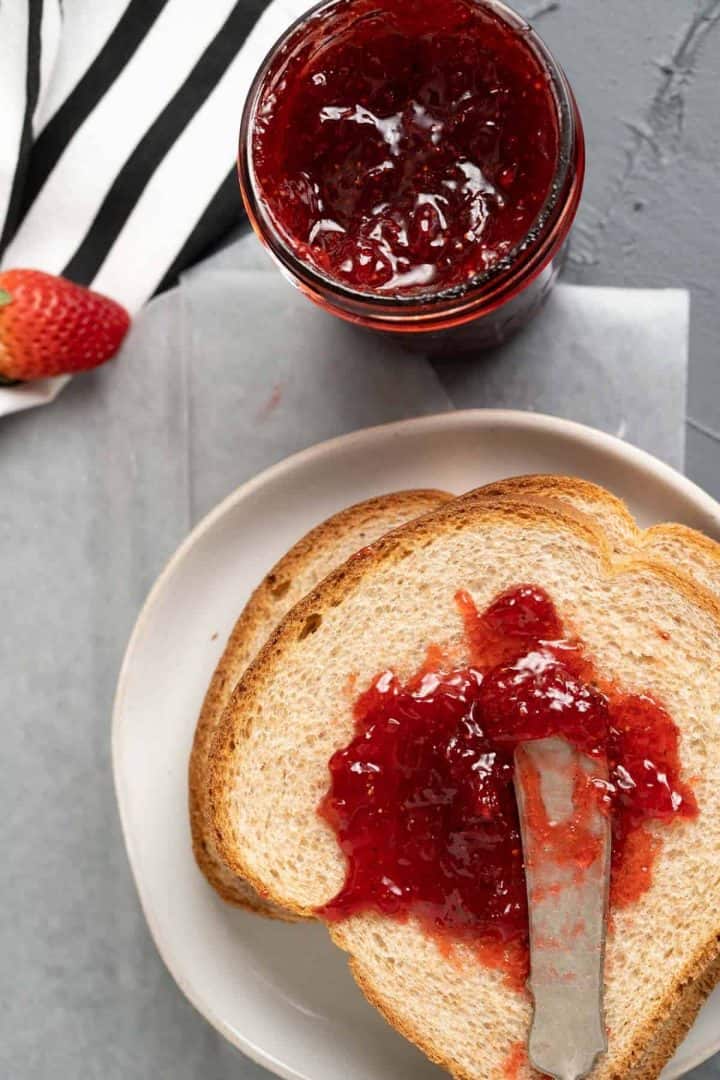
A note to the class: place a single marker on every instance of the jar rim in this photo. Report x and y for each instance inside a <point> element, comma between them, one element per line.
<point>483,291</point>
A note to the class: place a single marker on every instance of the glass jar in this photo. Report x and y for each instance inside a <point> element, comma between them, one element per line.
<point>487,307</point>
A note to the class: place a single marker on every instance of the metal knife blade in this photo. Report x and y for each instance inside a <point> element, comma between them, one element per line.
<point>566,848</point>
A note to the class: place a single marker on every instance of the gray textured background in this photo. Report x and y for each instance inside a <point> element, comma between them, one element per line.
<point>83,993</point>
<point>646,75</point>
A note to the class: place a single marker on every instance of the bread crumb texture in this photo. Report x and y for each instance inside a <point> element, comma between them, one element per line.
<point>311,559</point>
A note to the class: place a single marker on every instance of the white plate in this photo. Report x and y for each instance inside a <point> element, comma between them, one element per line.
<point>282,993</point>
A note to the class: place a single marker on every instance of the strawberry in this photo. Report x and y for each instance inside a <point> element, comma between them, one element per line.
<point>50,326</point>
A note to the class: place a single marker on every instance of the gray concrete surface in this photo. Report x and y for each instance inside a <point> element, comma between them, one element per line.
<point>82,992</point>
<point>646,75</point>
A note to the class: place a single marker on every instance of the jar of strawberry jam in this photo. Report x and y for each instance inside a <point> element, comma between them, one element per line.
<point>414,167</point>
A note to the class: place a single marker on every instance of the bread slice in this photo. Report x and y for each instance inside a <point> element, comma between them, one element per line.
<point>307,563</point>
<point>382,610</point>
<point>695,555</point>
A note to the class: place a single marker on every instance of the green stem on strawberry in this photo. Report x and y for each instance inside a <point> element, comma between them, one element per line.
<point>5,297</point>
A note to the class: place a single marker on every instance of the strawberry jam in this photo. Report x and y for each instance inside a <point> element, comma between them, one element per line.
<point>422,799</point>
<point>406,148</point>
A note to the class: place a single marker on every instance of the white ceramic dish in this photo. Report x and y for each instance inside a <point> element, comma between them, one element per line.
<point>282,993</point>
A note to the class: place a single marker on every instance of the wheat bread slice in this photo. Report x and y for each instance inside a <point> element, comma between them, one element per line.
<point>309,560</point>
<point>697,556</point>
<point>292,710</point>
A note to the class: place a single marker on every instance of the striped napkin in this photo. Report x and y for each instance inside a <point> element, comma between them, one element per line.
<point>118,138</point>
<point>119,133</point>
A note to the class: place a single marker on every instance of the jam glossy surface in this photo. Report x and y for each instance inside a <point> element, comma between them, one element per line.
<point>422,799</point>
<point>405,148</point>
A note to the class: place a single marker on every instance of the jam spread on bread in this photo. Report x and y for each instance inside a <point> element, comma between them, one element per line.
<point>422,799</point>
<point>404,147</point>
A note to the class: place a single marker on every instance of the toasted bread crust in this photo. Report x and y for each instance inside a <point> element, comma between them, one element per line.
<point>665,542</point>
<point>356,524</point>
<point>679,1005</point>
<point>665,1032</point>
<point>574,497</point>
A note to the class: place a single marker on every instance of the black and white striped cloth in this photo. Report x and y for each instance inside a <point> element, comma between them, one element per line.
<point>118,133</point>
